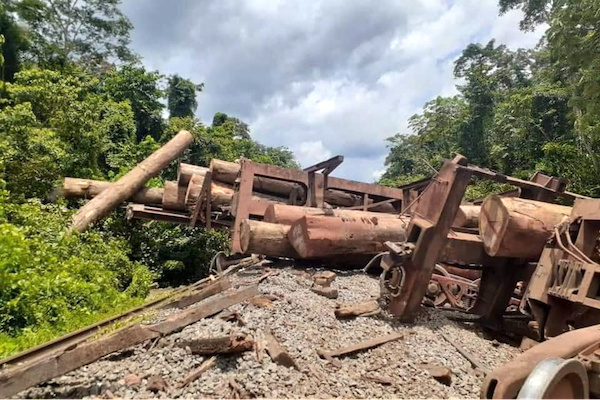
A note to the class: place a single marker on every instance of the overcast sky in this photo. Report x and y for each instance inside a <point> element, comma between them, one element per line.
<point>321,77</point>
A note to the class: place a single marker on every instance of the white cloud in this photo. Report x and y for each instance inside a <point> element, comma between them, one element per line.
<point>309,153</point>
<point>320,77</point>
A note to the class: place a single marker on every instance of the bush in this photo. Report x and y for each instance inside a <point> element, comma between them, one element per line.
<point>175,254</point>
<point>53,282</point>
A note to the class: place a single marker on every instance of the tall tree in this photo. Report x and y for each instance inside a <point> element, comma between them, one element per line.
<point>181,95</point>
<point>89,32</point>
<point>142,89</point>
<point>486,70</point>
<point>534,11</point>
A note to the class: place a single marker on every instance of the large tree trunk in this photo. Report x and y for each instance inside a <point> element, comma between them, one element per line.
<point>227,172</point>
<point>320,236</point>
<point>74,188</point>
<point>186,171</point>
<point>287,215</point>
<point>131,182</point>
<point>173,196</point>
<point>258,237</point>
<point>518,228</point>
<point>467,216</point>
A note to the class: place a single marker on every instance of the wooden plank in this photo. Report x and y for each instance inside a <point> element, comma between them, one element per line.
<point>278,354</point>
<point>195,374</point>
<point>15,379</point>
<point>233,343</point>
<point>210,290</point>
<point>367,344</point>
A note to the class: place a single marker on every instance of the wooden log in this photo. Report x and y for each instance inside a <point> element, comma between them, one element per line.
<point>194,188</point>
<point>257,237</point>
<point>13,380</point>
<point>75,188</point>
<point>227,172</point>
<point>222,195</point>
<point>186,171</point>
<point>467,216</point>
<point>518,228</point>
<point>234,343</point>
<point>341,198</point>
<point>318,236</point>
<point>287,215</point>
<point>224,171</point>
<point>131,182</point>
<point>278,353</point>
<point>173,196</point>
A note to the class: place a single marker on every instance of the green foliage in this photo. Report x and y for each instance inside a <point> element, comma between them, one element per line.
<point>58,124</point>
<point>177,254</point>
<point>52,282</point>
<point>518,111</point>
<point>142,90</point>
<point>181,96</point>
<point>70,112</point>
<point>535,11</point>
<point>86,32</point>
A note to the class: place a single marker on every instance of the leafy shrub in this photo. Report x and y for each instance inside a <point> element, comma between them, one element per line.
<point>52,282</point>
<point>175,254</point>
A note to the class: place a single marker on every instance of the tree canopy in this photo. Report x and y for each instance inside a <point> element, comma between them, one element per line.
<point>76,102</point>
<point>518,111</point>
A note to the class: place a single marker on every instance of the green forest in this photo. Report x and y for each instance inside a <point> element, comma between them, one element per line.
<point>519,111</point>
<point>75,100</point>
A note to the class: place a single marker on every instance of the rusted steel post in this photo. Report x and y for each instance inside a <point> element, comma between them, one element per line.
<point>427,235</point>
<point>131,182</point>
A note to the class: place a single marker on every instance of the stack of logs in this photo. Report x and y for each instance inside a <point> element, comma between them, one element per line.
<point>182,195</point>
<point>507,227</point>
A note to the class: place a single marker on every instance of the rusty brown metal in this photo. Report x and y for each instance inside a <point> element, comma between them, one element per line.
<point>565,287</point>
<point>506,381</point>
<point>427,235</point>
<point>314,183</point>
<point>141,211</point>
<point>452,291</point>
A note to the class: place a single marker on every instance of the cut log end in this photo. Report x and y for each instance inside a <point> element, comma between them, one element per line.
<point>518,228</point>
<point>258,237</point>
<point>492,227</point>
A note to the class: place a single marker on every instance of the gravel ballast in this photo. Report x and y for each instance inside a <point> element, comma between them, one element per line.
<point>303,321</point>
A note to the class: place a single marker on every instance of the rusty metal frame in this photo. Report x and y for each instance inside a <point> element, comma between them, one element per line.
<point>427,235</point>
<point>141,211</point>
<point>313,182</point>
<point>565,287</point>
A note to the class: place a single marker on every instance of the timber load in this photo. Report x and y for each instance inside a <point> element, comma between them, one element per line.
<point>211,192</point>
